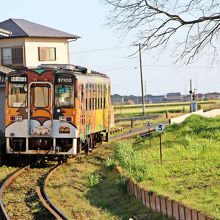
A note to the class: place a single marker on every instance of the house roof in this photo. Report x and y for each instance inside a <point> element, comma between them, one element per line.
<point>24,28</point>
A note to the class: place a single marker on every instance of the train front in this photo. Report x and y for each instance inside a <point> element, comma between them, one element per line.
<point>40,113</point>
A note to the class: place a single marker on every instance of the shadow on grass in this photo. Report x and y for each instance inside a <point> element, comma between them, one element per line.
<point>110,195</point>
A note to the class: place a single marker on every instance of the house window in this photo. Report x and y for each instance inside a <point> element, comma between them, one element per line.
<point>12,56</point>
<point>47,53</point>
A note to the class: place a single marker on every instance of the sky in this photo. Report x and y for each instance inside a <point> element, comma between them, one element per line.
<point>102,49</point>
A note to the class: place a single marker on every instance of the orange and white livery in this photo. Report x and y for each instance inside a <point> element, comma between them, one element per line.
<point>56,111</point>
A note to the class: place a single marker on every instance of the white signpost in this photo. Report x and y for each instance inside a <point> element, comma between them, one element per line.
<point>159,128</point>
<point>149,125</point>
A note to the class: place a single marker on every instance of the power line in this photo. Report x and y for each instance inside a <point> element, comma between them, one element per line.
<point>97,50</point>
<point>160,66</point>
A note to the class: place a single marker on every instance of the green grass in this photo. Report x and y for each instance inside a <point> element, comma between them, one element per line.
<point>149,110</point>
<point>5,172</point>
<point>176,107</point>
<point>166,104</point>
<point>190,172</point>
<point>21,200</point>
<point>90,188</point>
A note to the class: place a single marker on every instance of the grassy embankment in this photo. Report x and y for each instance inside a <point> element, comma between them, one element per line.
<point>90,188</point>
<point>177,107</point>
<point>190,172</point>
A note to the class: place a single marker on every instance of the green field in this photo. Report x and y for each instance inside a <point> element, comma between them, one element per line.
<point>177,107</point>
<point>190,171</point>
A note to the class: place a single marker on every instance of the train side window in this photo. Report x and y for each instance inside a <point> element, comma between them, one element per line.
<point>86,104</point>
<point>90,104</point>
<point>104,103</point>
<point>87,89</point>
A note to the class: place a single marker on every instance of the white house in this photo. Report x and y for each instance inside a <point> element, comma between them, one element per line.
<point>27,44</point>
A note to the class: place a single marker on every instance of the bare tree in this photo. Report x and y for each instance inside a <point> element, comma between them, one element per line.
<point>192,24</point>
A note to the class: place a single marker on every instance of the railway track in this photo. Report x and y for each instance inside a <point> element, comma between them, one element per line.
<point>48,204</point>
<point>5,185</point>
<point>80,200</point>
<point>142,132</point>
<point>55,213</point>
<point>18,195</point>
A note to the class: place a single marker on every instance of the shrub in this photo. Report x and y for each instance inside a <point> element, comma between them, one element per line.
<point>110,163</point>
<point>93,179</point>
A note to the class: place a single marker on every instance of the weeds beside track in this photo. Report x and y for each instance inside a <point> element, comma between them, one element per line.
<point>19,197</point>
<point>88,190</point>
<point>5,185</point>
<point>22,189</point>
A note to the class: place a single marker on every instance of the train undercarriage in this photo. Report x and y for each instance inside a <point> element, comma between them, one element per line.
<point>45,148</point>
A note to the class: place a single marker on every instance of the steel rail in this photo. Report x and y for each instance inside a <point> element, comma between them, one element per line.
<point>47,203</point>
<point>41,192</point>
<point>5,185</point>
<point>133,133</point>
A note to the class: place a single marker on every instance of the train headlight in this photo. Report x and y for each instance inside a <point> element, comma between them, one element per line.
<point>62,118</point>
<point>16,118</point>
<point>65,118</point>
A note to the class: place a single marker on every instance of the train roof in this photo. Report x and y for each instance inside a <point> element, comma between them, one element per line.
<point>78,71</point>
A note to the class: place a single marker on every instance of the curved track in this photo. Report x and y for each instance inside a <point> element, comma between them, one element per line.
<point>5,185</point>
<point>47,203</point>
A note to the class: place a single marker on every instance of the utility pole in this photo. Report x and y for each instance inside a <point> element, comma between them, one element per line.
<point>145,89</point>
<point>141,73</point>
<point>191,94</point>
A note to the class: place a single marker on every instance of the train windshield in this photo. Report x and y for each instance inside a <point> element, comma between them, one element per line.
<point>17,96</point>
<point>64,95</point>
<point>41,96</point>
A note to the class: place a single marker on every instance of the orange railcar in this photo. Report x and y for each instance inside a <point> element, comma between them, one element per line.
<point>56,111</point>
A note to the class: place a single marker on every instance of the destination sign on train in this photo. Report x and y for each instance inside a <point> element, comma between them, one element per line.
<point>18,79</point>
<point>64,80</point>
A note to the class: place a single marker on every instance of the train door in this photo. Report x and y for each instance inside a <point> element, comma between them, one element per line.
<point>40,108</point>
